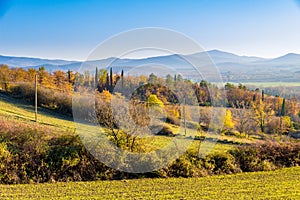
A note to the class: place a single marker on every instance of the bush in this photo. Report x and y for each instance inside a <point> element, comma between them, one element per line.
<point>188,165</point>
<point>26,149</point>
<point>57,101</point>
<point>232,133</point>
<point>166,131</point>
<point>267,156</point>
<point>33,153</point>
<point>222,163</point>
<point>173,120</point>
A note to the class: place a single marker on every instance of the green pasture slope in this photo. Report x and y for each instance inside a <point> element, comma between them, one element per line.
<point>18,110</point>
<point>280,184</point>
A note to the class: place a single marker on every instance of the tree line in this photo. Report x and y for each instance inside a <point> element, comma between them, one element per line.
<point>249,111</point>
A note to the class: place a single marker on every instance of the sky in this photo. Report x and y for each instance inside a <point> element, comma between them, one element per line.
<point>71,29</point>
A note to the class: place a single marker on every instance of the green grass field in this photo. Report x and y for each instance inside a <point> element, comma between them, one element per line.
<point>19,110</point>
<point>270,84</point>
<point>280,184</point>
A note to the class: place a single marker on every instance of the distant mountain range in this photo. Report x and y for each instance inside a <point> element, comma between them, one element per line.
<point>232,67</point>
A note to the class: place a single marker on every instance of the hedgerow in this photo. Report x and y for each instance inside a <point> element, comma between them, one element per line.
<point>35,153</point>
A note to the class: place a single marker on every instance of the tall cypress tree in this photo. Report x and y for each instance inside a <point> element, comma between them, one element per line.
<point>282,113</point>
<point>111,77</point>
<point>262,95</point>
<point>254,98</point>
<point>122,79</point>
<point>69,76</point>
<point>107,81</point>
<point>96,78</point>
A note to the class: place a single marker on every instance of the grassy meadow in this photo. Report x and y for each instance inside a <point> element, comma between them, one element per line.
<point>23,112</point>
<point>279,184</point>
<point>269,84</point>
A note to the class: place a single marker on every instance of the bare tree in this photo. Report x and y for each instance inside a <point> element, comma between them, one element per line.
<point>124,121</point>
<point>244,122</point>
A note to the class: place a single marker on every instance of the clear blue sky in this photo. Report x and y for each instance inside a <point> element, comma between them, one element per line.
<point>70,29</point>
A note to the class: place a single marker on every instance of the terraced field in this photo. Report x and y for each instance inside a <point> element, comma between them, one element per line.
<point>280,184</point>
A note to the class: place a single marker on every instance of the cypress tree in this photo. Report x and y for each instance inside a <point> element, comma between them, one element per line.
<point>96,77</point>
<point>254,98</point>
<point>122,79</point>
<point>262,95</point>
<point>107,81</point>
<point>283,108</point>
<point>111,77</point>
<point>69,76</point>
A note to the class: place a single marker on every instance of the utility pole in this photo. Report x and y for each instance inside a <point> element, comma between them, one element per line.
<point>184,117</point>
<point>36,97</point>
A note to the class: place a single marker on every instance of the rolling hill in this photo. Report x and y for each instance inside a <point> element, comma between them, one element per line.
<point>232,67</point>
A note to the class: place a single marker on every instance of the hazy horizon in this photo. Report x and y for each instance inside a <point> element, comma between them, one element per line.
<point>143,57</point>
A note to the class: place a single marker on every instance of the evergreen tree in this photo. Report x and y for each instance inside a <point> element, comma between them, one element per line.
<point>179,78</point>
<point>122,79</point>
<point>169,81</point>
<point>96,77</point>
<point>282,113</point>
<point>152,78</point>
<point>111,77</point>
<point>107,81</point>
<point>254,98</point>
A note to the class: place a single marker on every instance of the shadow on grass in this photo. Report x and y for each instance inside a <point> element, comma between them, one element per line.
<point>23,104</point>
<point>220,141</point>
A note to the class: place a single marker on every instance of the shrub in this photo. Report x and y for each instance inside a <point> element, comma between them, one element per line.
<point>166,130</point>
<point>33,153</point>
<point>267,156</point>
<point>188,165</point>
<point>173,120</point>
<point>222,163</point>
<point>58,101</point>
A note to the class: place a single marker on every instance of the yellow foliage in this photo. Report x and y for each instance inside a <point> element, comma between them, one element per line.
<point>106,96</point>
<point>228,120</point>
<point>154,101</point>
